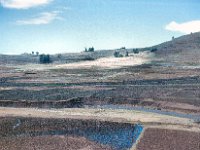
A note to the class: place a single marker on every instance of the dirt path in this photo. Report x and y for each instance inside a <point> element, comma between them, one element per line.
<point>101,114</point>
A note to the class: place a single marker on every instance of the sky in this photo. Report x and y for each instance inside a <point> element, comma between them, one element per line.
<point>65,26</point>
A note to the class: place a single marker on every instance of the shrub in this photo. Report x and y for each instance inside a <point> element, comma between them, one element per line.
<point>59,56</point>
<point>154,50</point>
<point>135,51</point>
<point>116,54</point>
<point>88,58</point>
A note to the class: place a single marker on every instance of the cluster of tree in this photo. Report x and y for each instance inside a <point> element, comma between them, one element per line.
<point>117,54</point>
<point>135,51</point>
<point>91,49</point>
<point>45,59</point>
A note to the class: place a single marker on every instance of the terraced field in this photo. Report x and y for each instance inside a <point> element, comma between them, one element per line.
<point>169,139</point>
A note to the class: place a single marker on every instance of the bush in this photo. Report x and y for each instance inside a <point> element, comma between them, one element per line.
<point>91,49</point>
<point>154,50</point>
<point>44,59</point>
<point>135,51</point>
<point>59,56</point>
<point>88,58</point>
<point>116,54</point>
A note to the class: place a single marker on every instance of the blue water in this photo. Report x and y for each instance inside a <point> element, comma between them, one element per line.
<point>118,139</point>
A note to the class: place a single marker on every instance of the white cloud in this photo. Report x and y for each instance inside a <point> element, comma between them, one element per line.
<point>23,4</point>
<point>186,27</point>
<point>42,18</point>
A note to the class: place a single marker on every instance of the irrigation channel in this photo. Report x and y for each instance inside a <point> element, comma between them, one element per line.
<point>119,136</point>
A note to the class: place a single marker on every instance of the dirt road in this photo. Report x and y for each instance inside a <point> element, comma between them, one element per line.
<point>119,115</point>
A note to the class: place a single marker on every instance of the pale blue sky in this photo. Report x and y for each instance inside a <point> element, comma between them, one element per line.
<point>56,26</point>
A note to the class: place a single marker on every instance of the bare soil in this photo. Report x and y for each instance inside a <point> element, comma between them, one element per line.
<point>166,139</point>
<point>158,87</point>
<point>50,143</point>
<point>59,133</point>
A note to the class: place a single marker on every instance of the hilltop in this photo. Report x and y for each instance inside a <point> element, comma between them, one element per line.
<point>182,50</point>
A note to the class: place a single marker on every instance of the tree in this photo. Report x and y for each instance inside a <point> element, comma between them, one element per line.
<point>126,54</point>
<point>44,59</point>
<point>91,49</point>
<point>135,51</point>
<point>116,54</point>
<point>32,52</point>
<point>37,53</point>
<point>154,50</point>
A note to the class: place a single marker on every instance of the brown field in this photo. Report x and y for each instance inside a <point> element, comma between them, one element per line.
<point>50,143</point>
<point>56,133</point>
<point>165,88</point>
<point>166,139</point>
<point>167,79</point>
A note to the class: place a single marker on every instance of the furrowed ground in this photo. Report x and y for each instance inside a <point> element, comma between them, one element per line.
<point>146,85</point>
<point>169,139</point>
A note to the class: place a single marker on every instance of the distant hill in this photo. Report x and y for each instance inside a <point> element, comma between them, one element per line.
<point>184,49</point>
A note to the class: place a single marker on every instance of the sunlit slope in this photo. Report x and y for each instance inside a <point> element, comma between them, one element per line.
<point>183,50</point>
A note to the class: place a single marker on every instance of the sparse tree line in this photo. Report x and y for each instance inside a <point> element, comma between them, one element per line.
<point>35,53</point>
<point>90,49</point>
<point>134,51</point>
<point>45,58</point>
<point>119,54</point>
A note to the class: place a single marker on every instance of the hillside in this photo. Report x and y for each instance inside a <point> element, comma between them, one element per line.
<point>182,50</point>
